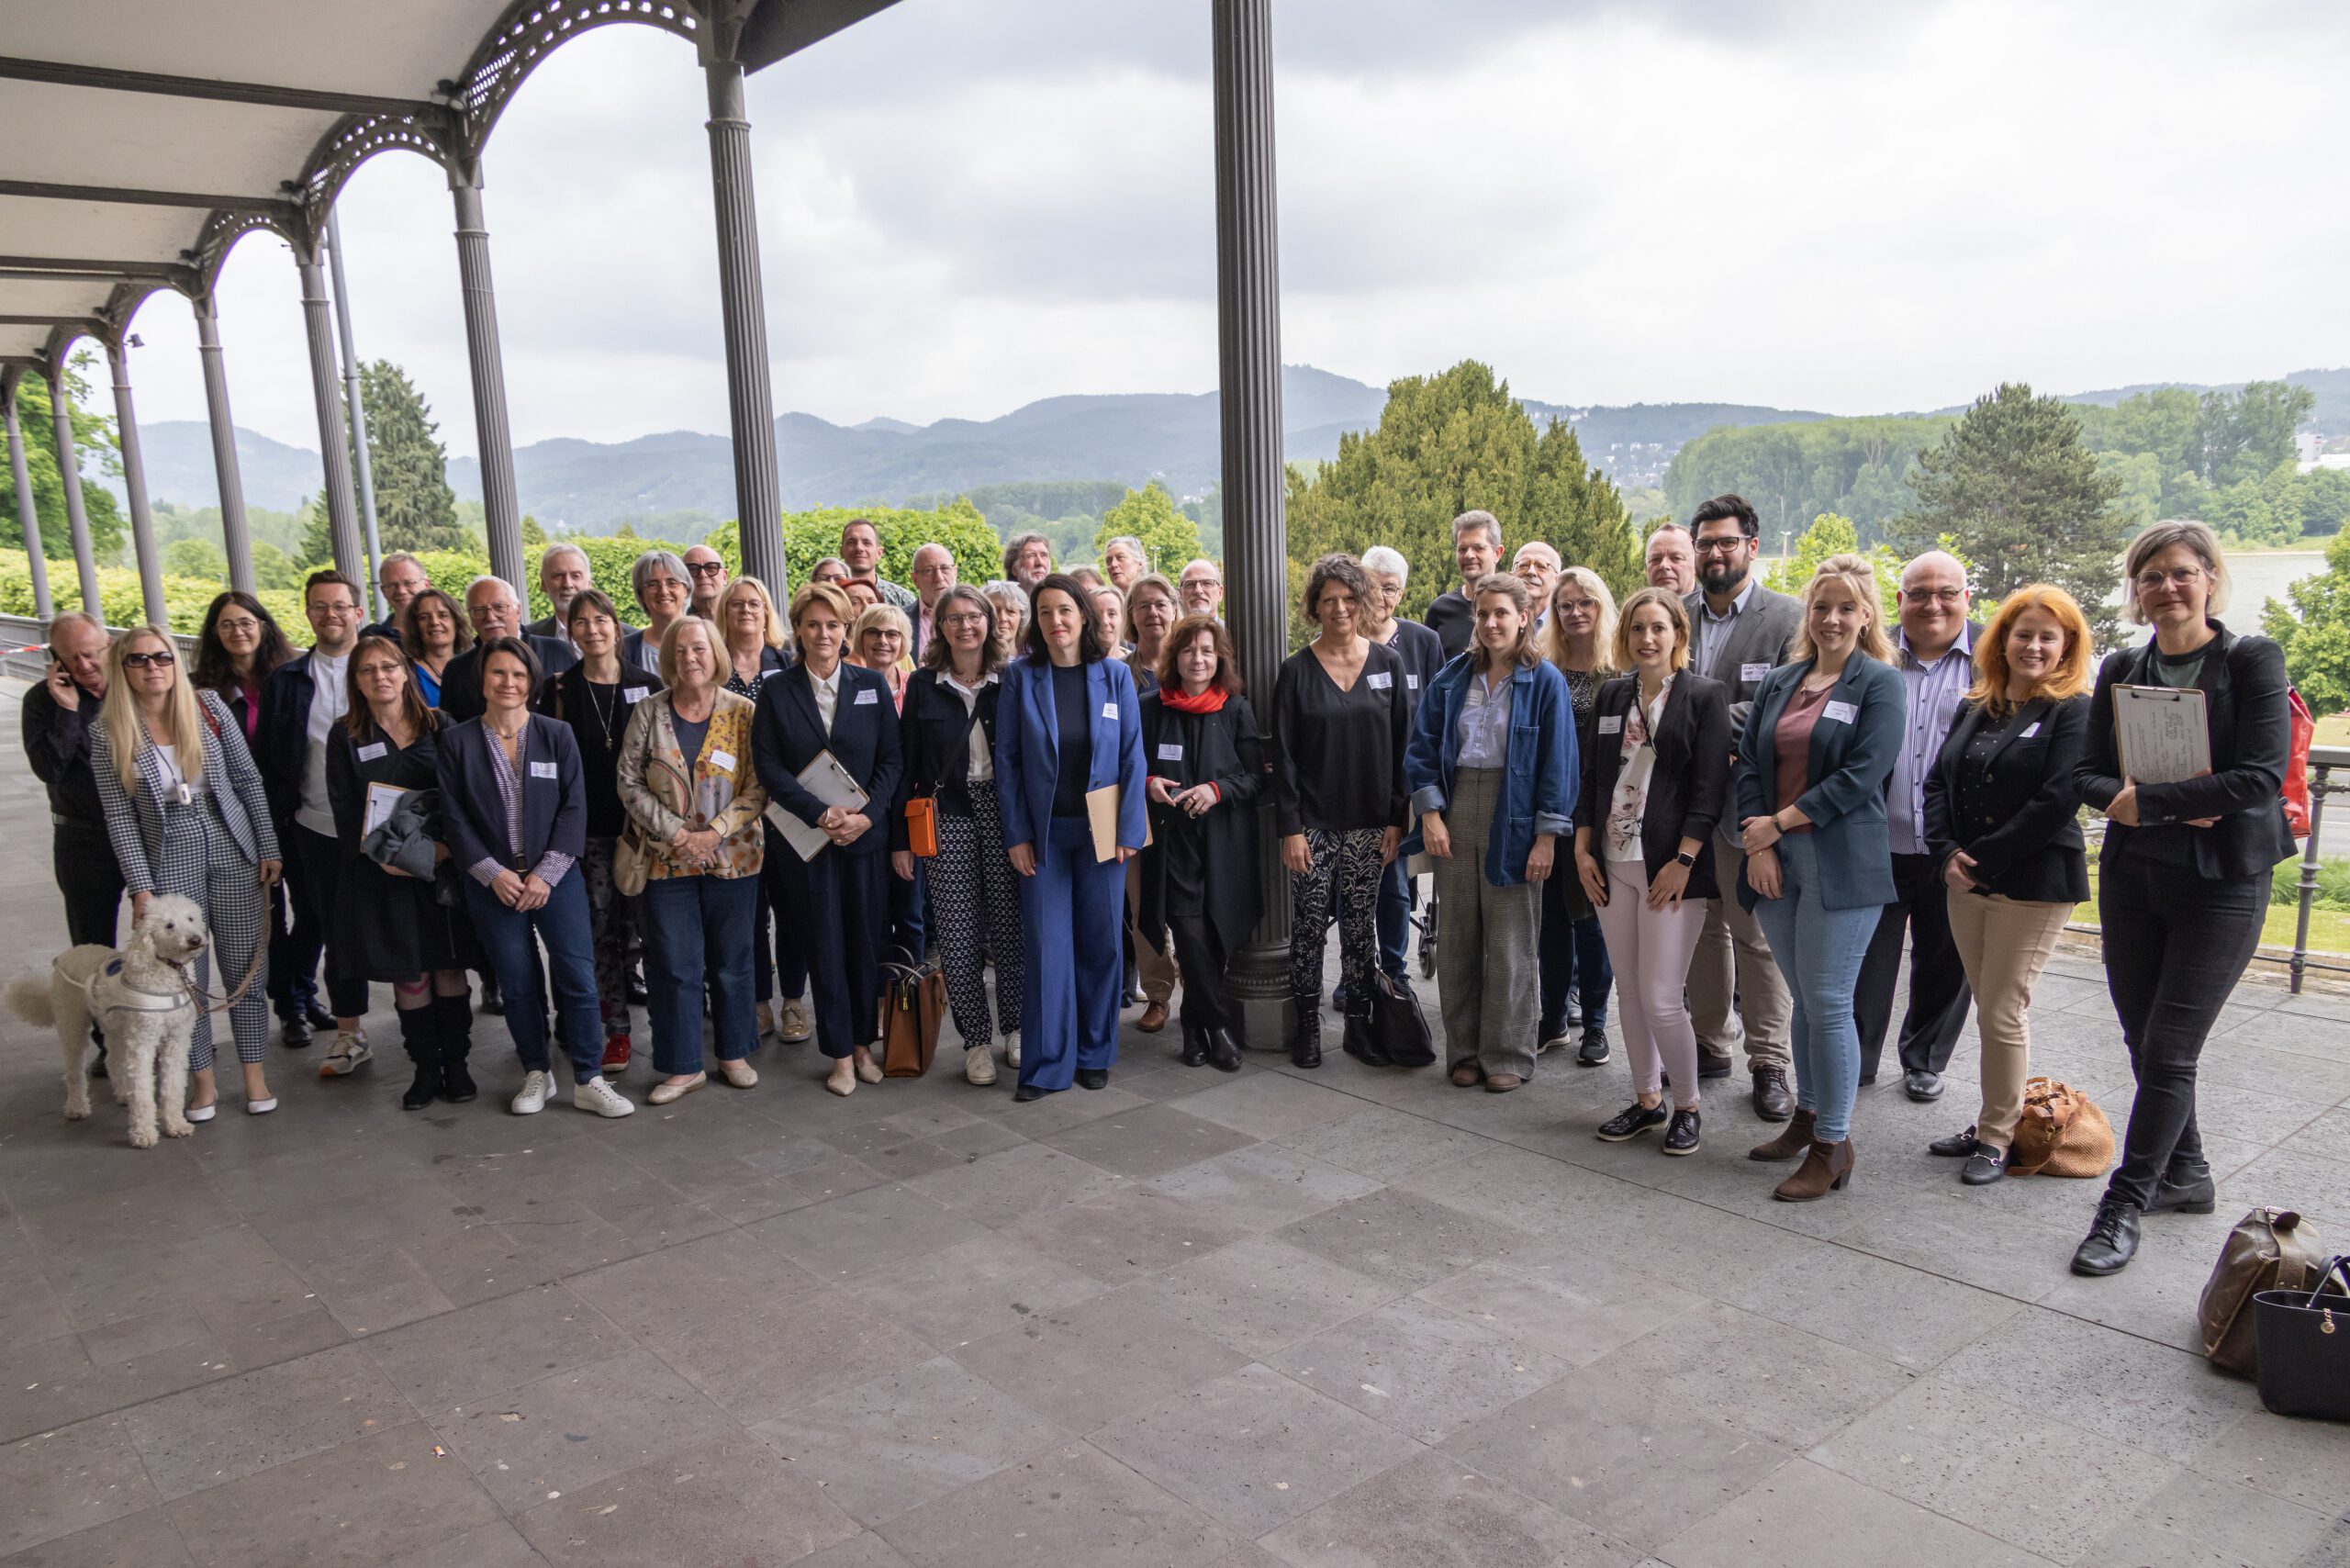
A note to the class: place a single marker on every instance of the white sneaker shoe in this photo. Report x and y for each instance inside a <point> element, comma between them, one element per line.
<point>979,1065</point>
<point>538,1088</point>
<point>1012,1050</point>
<point>792,1024</point>
<point>600,1098</point>
<point>345,1056</point>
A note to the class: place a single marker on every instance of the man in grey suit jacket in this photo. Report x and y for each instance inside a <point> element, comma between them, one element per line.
<point>563,572</point>
<point>1740,631</point>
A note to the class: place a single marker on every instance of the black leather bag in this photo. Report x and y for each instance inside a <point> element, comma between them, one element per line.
<point>1398,1026</point>
<point>2305,1346</point>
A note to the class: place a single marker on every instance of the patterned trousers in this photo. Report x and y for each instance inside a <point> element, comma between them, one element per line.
<point>975,908</point>
<point>1347,864</point>
<point>198,861</point>
<point>608,925</point>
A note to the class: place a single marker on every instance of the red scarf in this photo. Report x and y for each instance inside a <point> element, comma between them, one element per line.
<point>1208,701</point>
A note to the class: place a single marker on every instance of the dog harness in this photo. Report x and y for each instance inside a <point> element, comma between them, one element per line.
<point>132,998</point>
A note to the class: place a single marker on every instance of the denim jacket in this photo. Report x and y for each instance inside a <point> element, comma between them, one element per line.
<point>1539,785</point>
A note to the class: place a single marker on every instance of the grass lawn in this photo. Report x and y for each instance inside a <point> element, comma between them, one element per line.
<point>2329,928</point>
<point>2334,729</point>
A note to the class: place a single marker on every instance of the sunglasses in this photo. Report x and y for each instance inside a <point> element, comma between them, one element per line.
<point>163,660</point>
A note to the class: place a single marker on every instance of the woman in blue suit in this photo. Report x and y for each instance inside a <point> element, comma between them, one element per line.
<point>1068,722</point>
<point>840,899</point>
<point>1818,745</point>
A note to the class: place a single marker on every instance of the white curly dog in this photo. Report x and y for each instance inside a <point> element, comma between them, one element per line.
<point>142,997</point>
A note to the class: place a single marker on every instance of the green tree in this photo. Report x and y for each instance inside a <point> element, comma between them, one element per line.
<point>195,559</point>
<point>94,439</point>
<point>2313,628</point>
<point>809,536</point>
<point>2013,483</point>
<point>1832,535</point>
<point>2246,435</point>
<point>273,568</point>
<point>1169,538</point>
<point>415,509</point>
<point>2325,500</point>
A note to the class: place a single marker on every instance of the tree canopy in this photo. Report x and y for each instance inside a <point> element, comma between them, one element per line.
<point>1169,538</point>
<point>2315,630</point>
<point>98,455</point>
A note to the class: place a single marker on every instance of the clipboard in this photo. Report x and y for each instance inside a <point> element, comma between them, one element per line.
<point>2163,734</point>
<point>830,782</point>
<point>1101,815</point>
<point>382,799</point>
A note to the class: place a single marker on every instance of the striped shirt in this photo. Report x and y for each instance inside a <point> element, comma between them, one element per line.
<point>1934,692</point>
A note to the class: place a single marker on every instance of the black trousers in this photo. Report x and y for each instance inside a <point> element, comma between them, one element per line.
<point>841,905</point>
<point>1201,957</point>
<point>82,856</point>
<point>316,883</point>
<point>1938,993</point>
<point>2175,944</point>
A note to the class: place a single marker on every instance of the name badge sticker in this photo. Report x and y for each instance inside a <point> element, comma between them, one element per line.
<point>1170,752</point>
<point>1110,711</point>
<point>2030,729</point>
<point>1752,672</point>
<point>1611,725</point>
<point>370,753</point>
<point>723,760</point>
<point>1411,682</point>
<point>544,770</point>
<point>866,697</point>
<point>1843,713</point>
<point>629,694</point>
<point>1383,680</point>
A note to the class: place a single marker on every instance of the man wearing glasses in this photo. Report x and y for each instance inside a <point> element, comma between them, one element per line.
<point>57,715</point>
<point>1935,653</point>
<point>706,574</point>
<point>400,578</point>
<point>1735,989</point>
<point>934,574</point>
<point>304,698</point>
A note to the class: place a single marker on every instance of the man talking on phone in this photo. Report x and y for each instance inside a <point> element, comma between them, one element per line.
<point>58,715</point>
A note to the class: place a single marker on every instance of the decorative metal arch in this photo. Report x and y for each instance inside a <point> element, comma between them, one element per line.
<point>531,30</point>
<point>224,229</point>
<point>355,140</point>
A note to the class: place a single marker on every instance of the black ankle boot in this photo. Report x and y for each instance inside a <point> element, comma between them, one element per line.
<point>455,1014</point>
<point>1305,1039</point>
<point>2112,1240</point>
<point>1223,1050</point>
<point>1195,1046</point>
<point>420,1035</point>
<point>1357,1042</point>
<point>2185,1189</point>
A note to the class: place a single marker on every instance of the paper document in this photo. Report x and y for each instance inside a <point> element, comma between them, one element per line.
<point>830,782</point>
<point>381,800</point>
<point>2163,734</point>
<point>1101,816</point>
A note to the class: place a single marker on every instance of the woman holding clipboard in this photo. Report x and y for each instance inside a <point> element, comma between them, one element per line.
<point>2183,874</point>
<point>839,889</point>
<point>1069,728</point>
<point>391,926</point>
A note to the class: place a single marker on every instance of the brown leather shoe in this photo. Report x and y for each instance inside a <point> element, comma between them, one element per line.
<point>1824,1168</point>
<point>1467,1074</point>
<point>1774,1101</point>
<point>1154,1018</point>
<point>1790,1143</point>
<point>1502,1082</point>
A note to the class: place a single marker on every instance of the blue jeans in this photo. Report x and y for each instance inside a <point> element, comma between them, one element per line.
<point>1819,950</point>
<point>697,928</point>
<point>1574,956</point>
<point>1395,916</point>
<point>564,924</point>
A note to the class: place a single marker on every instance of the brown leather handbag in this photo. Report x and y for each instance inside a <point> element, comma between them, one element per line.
<point>2269,1249</point>
<point>2061,1133</point>
<point>913,1004</point>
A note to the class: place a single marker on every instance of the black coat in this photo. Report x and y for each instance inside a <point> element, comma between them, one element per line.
<point>565,698</point>
<point>460,681</point>
<point>1689,786</point>
<point>934,741</point>
<point>2021,819</point>
<point>386,927</point>
<point>1454,620</point>
<point>282,739</point>
<point>786,734</point>
<point>57,743</point>
<point>2250,722</point>
<point>1221,749</point>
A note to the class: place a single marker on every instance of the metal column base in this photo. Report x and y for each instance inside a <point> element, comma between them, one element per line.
<point>1257,981</point>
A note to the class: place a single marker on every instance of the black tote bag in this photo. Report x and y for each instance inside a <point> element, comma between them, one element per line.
<point>2305,1346</point>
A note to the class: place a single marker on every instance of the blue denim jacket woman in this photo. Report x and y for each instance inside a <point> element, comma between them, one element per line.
<point>1540,783</point>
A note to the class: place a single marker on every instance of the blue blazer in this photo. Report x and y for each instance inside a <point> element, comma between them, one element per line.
<point>787,730</point>
<point>473,814</point>
<point>1028,748</point>
<point>1843,782</point>
<point>1539,780</point>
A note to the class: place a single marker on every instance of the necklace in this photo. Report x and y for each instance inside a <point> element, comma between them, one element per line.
<point>605,718</point>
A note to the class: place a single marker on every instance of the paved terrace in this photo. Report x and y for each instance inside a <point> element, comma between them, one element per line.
<point>1345,1317</point>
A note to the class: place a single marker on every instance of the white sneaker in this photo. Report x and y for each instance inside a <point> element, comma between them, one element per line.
<point>792,1023</point>
<point>979,1065</point>
<point>600,1098</point>
<point>538,1088</point>
<point>349,1050</point>
<point>1012,1050</point>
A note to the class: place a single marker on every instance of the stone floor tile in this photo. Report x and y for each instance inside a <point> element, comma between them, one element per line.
<point>1002,1187</point>
<point>2293,1178</point>
<point>55,1381</point>
<point>949,1150</point>
<point>1563,1301</point>
<point>1098,1360</point>
<point>1041,1119</point>
<point>2306,1025</point>
<point>863,1551</point>
<point>383,1495</point>
<point>968,1291</point>
<point>1432,1511</point>
<point>1403,1239</point>
<point>733,1499</point>
<point>2300,1462</point>
<point>1905,1314</point>
<point>2197,1522</point>
<point>1417,1367</point>
<point>1072,1505</point>
<point>1260,1294</point>
<point>1790,1520</point>
<point>225,1430</point>
<point>1993,1244</point>
<point>478,1352</point>
<point>1127,1231</point>
<point>1977,1459</point>
<point>901,1441</point>
<point>1268,1107</point>
<point>766,1196</point>
<point>1633,1467</point>
<point>1156,1138</point>
<point>1384,1143</point>
<point>2245,1058</point>
<point>843,1238</point>
<point>2157,1297</point>
<point>144,1540</point>
<point>1263,1186</point>
<point>535,1443</point>
<point>70,1479</point>
<point>2258,1115</point>
<point>1253,1449</point>
<point>495,1545</point>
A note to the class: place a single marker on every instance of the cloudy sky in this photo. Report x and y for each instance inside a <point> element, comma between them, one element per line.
<point>966,205</point>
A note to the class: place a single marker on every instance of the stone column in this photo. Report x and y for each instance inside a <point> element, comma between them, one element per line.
<point>1256,533</point>
<point>334,444</point>
<point>758,506</point>
<point>69,470</point>
<point>501,508</point>
<point>236,539</point>
<point>134,484</point>
<point>28,515</point>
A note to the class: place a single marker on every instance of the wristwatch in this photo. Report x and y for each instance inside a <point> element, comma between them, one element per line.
<point>1687,861</point>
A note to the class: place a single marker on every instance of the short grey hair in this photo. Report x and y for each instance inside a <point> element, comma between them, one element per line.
<point>1199,561</point>
<point>564,547</point>
<point>1476,519</point>
<point>492,577</point>
<point>398,558</point>
<point>1131,542</point>
<point>641,571</point>
<point>2158,537</point>
<point>76,618</point>
<point>1386,560</point>
<point>1545,546</point>
<point>1019,541</point>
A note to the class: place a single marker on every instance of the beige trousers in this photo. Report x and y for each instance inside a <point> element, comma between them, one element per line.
<point>1155,969</point>
<point>2004,944</point>
<point>1736,993</point>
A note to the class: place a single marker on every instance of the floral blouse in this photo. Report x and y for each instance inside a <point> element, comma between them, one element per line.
<point>723,789</point>
<point>1630,802</point>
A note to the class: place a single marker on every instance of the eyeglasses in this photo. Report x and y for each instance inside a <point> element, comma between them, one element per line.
<point>968,618</point>
<point>339,611</point>
<point>2178,577</point>
<point>707,568</point>
<point>161,659</point>
<point>1721,546</point>
<point>244,623</point>
<point>1933,596</point>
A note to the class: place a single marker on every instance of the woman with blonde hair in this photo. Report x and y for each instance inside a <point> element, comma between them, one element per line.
<point>187,816</point>
<point>1819,745</point>
<point>756,643</point>
<point>2002,817</point>
<point>881,640</point>
<point>1493,774</point>
<point>1580,638</point>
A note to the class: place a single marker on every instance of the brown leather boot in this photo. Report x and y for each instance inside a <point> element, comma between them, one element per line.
<point>1825,1167</point>
<point>1793,1139</point>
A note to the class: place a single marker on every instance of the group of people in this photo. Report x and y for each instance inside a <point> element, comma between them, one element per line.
<point>1725,810</point>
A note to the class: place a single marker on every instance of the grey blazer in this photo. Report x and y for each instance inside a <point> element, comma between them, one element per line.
<point>1756,646</point>
<point>151,828</point>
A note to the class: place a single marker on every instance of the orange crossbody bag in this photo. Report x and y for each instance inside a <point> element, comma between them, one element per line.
<point>922,825</point>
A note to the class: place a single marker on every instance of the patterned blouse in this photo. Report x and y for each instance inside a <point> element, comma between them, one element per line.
<point>1630,800</point>
<point>554,862</point>
<point>724,791</point>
